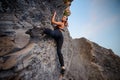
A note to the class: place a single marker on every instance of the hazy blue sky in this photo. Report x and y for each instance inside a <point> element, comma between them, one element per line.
<point>98,21</point>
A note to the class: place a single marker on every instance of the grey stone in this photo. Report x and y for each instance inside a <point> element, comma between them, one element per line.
<point>23,57</point>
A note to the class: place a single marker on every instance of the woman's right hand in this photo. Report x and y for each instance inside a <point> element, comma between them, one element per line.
<point>54,13</point>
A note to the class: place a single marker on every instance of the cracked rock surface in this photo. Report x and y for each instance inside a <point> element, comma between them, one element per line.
<point>33,56</point>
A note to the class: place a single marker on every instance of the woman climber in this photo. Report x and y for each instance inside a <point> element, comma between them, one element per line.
<point>58,36</point>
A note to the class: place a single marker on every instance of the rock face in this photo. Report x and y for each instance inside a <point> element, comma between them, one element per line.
<point>30,57</point>
<point>33,57</point>
<point>93,62</point>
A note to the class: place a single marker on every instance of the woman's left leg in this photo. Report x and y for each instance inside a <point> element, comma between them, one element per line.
<point>60,56</point>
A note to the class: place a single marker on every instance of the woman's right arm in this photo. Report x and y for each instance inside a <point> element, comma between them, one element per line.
<point>53,20</point>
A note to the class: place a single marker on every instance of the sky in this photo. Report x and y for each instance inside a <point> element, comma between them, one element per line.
<point>98,21</point>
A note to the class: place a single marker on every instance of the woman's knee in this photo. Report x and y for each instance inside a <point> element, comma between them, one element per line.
<point>47,31</point>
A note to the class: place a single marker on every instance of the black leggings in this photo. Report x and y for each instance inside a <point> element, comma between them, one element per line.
<point>57,35</point>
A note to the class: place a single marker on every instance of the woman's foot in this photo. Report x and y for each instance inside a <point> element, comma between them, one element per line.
<point>62,71</point>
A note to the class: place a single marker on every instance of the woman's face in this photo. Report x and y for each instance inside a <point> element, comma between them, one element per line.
<point>64,18</point>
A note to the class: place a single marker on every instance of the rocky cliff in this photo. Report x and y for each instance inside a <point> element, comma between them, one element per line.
<point>33,56</point>
<point>93,62</point>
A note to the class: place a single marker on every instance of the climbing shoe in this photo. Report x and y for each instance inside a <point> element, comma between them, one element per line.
<point>62,72</point>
